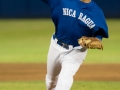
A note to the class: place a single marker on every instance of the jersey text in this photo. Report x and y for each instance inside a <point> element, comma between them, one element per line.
<point>69,12</point>
<point>86,20</point>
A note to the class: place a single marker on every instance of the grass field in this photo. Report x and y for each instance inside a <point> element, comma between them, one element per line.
<point>27,40</point>
<point>78,85</point>
<point>24,40</point>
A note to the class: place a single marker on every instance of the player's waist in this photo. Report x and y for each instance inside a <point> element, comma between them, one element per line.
<point>65,45</point>
<point>61,43</point>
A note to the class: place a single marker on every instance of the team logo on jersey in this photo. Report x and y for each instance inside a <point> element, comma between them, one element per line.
<point>82,17</point>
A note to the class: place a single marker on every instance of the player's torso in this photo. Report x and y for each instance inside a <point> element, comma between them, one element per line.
<point>72,20</point>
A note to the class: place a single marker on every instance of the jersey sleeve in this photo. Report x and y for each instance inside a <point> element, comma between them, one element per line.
<point>47,1</point>
<point>51,2</point>
<point>101,29</point>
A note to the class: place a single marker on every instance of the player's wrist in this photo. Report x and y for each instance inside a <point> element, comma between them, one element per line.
<point>99,37</point>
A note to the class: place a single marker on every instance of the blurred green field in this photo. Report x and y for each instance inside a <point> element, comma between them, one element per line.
<point>78,85</point>
<point>27,40</point>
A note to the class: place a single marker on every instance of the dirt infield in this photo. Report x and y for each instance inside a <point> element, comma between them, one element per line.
<point>21,72</point>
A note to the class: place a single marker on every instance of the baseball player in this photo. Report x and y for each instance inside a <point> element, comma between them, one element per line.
<point>79,25</point>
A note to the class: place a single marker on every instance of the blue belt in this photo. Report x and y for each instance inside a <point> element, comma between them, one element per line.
<point>59,42</point>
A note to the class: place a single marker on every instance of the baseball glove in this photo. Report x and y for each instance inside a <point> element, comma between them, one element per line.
<point>90,43</point>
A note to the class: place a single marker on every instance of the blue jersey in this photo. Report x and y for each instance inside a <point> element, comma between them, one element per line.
<point>73,19</point>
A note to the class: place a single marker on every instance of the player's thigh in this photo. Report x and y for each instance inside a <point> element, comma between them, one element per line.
<point>53,64</point>
<point>78,55</point>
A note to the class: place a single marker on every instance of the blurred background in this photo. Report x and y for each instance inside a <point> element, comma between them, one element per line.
<point>37,9</point>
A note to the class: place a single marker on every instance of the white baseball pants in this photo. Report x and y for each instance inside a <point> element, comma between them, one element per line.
<point>62,64</point>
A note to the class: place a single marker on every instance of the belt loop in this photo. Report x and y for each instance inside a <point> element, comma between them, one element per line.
<point>56,40</point>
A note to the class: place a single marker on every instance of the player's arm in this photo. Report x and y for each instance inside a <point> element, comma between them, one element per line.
<point>101,29</point>
<point>51,3</point>
<point>98,32</point>
<point>47,1</point>
<point>101,32</point>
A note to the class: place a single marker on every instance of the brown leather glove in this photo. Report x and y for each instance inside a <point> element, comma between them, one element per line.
<point>90,42</point>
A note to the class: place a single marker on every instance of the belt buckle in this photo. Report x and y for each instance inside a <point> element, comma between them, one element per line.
<point>65,45</point>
